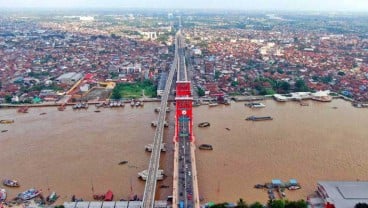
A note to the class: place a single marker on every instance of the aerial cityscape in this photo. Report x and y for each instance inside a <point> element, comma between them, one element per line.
<point>191,104</point>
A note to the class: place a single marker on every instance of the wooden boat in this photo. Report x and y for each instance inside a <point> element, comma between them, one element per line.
<point>3,131</point>
<point>259,118</point>
<point>205,147</point>
<point>204,124</point>
<point>6,121</point>
<point>123,162</point>
<point>23,109</point>
<point>10,183</point>
<point>61,107</point>
<point>2,195</point>
<point>99,197</point>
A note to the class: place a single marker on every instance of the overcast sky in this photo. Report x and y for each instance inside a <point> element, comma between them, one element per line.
<point>315,5</point>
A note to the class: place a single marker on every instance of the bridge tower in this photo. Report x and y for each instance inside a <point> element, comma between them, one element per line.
<point>184,114</point>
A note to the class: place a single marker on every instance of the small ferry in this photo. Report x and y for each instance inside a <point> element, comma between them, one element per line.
<point>255,105</point>
<point>259,118</point>
<point>29,194</point>
<point>205,147</point>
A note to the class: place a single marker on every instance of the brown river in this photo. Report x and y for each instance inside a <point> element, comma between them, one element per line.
<point>77,152</point>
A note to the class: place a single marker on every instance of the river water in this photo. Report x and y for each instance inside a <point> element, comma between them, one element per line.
<point>77,152</point>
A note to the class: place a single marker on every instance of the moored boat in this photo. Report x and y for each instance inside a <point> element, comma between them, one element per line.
<point>255,105</point>
<point>109,196</point>
<point>10,183</point>
<point>23,109</point>
<point>205,147</point>
<point>52,198</point>
<point>213,104</point>
<point>259,118</point>
<point>29,194</point>
<point>2,195</point>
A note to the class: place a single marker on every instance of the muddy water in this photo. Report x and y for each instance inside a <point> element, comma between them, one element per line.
<point>308,143</point>
<point>71,151</point>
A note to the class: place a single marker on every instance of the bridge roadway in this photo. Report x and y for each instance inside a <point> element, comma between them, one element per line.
<point>151,182</point>
<point>185,185</point>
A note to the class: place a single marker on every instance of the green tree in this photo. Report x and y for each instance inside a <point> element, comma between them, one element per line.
<point>242,204</point>
<point>200,92</point>
<point>285,86</point>
<point>116,94</point>
<point>8,98</point>
<point>296,204</point>
<point>361,205</point>
<point>300,86</point>
<point>276,204</point>
<point>256,205</point>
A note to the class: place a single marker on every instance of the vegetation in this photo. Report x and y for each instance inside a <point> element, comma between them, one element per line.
<point>361,205</point>
<point>300,86</point>
<point>134,90</point>
<point>200,91</point>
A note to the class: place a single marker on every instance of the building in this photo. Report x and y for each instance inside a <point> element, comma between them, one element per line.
<point>69,78</point>
<point>341,194</point>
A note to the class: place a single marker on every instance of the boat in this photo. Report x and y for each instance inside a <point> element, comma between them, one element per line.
<point>123,162</point>
<point>10,183</point>
<point>6,121</point>
<point>205,147</point>
<point>294,187</point>
<point>204,124</point>
<point>259,118</point>
<point>149,147</point>
<point>109,196</point>
<point>29,194</point>
<point>255,105</point>
<point>52,198</point>
<point>132,103</point>
<point>61,107</point>
<point>99,197</point>
<point>97,111</point>
<point>2,195</point>
<point>3,131</point>
<point>213,104</point>
<point>23,109</point>
<point>227,129</point>
<point>259,186</point>
<point>43,114</point>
